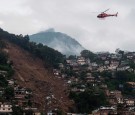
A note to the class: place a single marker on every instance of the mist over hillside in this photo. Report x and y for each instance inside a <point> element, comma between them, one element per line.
<point>58,41</point>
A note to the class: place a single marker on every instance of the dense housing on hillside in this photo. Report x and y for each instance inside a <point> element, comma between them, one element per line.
<point>102,83</point>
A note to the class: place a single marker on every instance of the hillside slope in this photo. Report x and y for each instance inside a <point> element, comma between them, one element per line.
<point>30,73</point>
<point>58,41</point>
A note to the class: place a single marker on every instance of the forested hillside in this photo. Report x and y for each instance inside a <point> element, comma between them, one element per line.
<point>49,55</point>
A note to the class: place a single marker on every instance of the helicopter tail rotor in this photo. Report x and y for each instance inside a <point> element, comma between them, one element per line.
<point>116,14</point>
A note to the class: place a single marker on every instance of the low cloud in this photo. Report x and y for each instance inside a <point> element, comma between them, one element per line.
<point>75,18</point>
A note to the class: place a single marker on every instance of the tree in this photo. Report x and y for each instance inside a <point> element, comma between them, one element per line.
<point>125,76</point>
<point>3,81</point>
<point>17,110</point>
<point>72,57</point>
<point>88,54</point>
<point>132,65</point>
<point>9,93</point>
<point>107,74</point>
<point>3,58</point>
<point>88,101</point>
<point>121,52</point>
<point>29,103</point>
<point>2,44</point>
<point>29,112</point>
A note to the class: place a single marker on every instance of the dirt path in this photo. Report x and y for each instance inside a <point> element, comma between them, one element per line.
<point>30,73</point>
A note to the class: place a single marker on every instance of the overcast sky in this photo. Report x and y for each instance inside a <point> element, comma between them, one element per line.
<point>75,18</point>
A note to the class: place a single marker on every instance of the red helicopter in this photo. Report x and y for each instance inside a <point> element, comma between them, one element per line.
<point>104,15</point>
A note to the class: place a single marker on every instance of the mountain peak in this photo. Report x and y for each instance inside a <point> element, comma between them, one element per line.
<point>48,30</point>
<point>58,41</point>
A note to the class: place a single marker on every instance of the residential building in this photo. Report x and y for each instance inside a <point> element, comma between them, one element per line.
<point>5,108</point>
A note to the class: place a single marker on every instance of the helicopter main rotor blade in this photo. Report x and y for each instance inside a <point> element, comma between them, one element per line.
<point>106,10</point>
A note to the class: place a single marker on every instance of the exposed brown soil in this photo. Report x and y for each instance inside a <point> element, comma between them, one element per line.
<point>31,73</point>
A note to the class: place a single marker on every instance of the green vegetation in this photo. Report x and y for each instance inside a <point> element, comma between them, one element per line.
<point>119,77</point>
<point>9,93</point>
<point>88,100</point>
<point>88,54</point>
<point>125,76</point>
<point>3,81</point>
<point>6,73</point>
<point>8,69</point>
<point>28,112</point>
<point>2,44</point>
<point>5,67</point>
<point>72,57</point>
<point>17,110</point>
<point>132,65</point>
<point>3,58</point>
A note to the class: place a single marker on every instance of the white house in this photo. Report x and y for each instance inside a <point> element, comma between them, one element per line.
<point>5,108</point>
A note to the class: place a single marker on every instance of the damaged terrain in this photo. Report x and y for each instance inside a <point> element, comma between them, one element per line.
<point>49,92</point>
